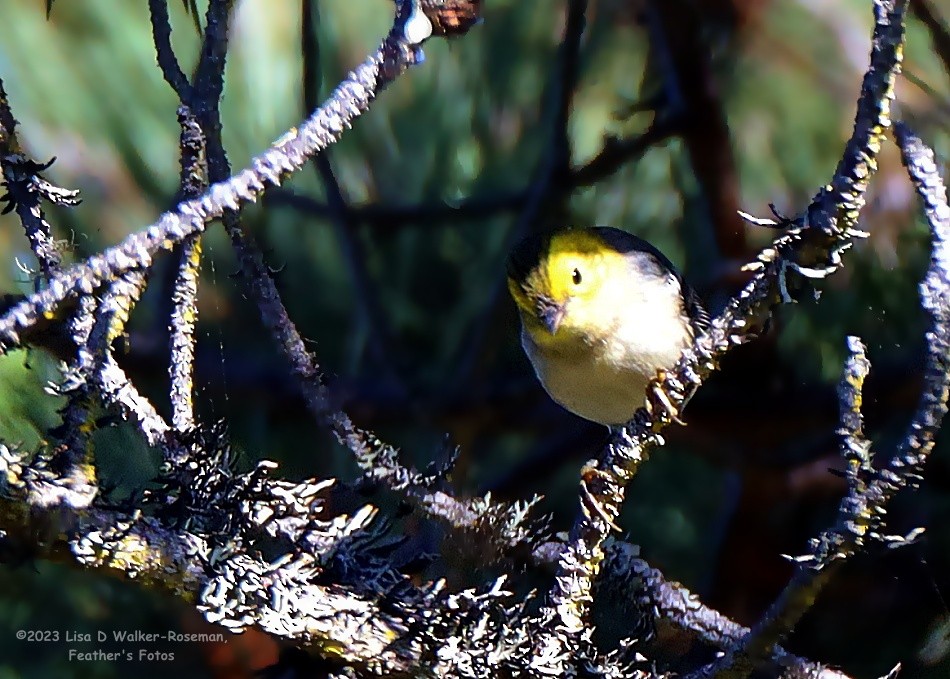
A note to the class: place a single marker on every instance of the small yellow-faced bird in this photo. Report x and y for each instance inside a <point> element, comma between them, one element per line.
<point>602,311</point>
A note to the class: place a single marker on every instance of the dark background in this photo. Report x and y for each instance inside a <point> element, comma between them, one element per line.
<point>416,330</point>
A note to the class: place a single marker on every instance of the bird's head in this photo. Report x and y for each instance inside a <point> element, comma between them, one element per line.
<point>568,284</point>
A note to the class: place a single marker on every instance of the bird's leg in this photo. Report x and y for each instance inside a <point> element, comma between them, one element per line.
<point>658,401</point>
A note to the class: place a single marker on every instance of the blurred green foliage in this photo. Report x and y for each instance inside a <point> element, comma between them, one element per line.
<point>474,120</point>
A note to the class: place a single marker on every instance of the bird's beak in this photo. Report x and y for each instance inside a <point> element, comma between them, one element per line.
<point>551,314</point>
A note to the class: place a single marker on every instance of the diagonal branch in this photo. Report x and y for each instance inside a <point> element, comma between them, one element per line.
<point>370,314</point>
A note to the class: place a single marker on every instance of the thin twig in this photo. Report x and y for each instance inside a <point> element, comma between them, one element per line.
<point>370,314</point>
<point>545,195</point>
<point>167,61</point>
<point>618,152</point>
<point>939,33</point>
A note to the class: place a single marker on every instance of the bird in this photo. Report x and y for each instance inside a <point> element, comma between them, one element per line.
<point>602,312</point>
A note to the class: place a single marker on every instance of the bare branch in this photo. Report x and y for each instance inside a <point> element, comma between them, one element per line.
<point>370,313</point>
<point>167,61</point>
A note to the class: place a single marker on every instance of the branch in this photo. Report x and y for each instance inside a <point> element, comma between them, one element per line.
<point>184,317</point>
<point>25,189</point>
<point>97,361</point>
<point>167,61</point>
<point>615,154</point>
<point>673,603</point>
<point>193,561</point>
<point>504,525</point>
<point>855,447</point>
<point>352,250</point>
<point>939,33</point>
<point>935,298</point>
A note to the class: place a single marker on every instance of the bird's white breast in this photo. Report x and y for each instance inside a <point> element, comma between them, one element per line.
<point>605,380</point>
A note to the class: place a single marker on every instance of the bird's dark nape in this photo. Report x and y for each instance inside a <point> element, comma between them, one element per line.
<point>624,242</point>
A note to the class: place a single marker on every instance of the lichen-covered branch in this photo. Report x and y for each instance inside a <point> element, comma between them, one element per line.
<point>25,189</point>
<point>184,317</point>
<point>672,603</point>
<point>935,298</point>
<point>96,358</point>
<point>96,374</point>
<point>838,205</point>
<point>379,460</point>
<point>815,570</point>
<point>196,565</point>
<point>861,513</point>
<point>854,445</point>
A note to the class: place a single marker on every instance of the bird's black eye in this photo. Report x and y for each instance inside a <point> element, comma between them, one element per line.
<point>576,277</point>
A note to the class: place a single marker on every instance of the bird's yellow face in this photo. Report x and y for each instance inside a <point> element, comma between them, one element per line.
<point>564,290</point>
